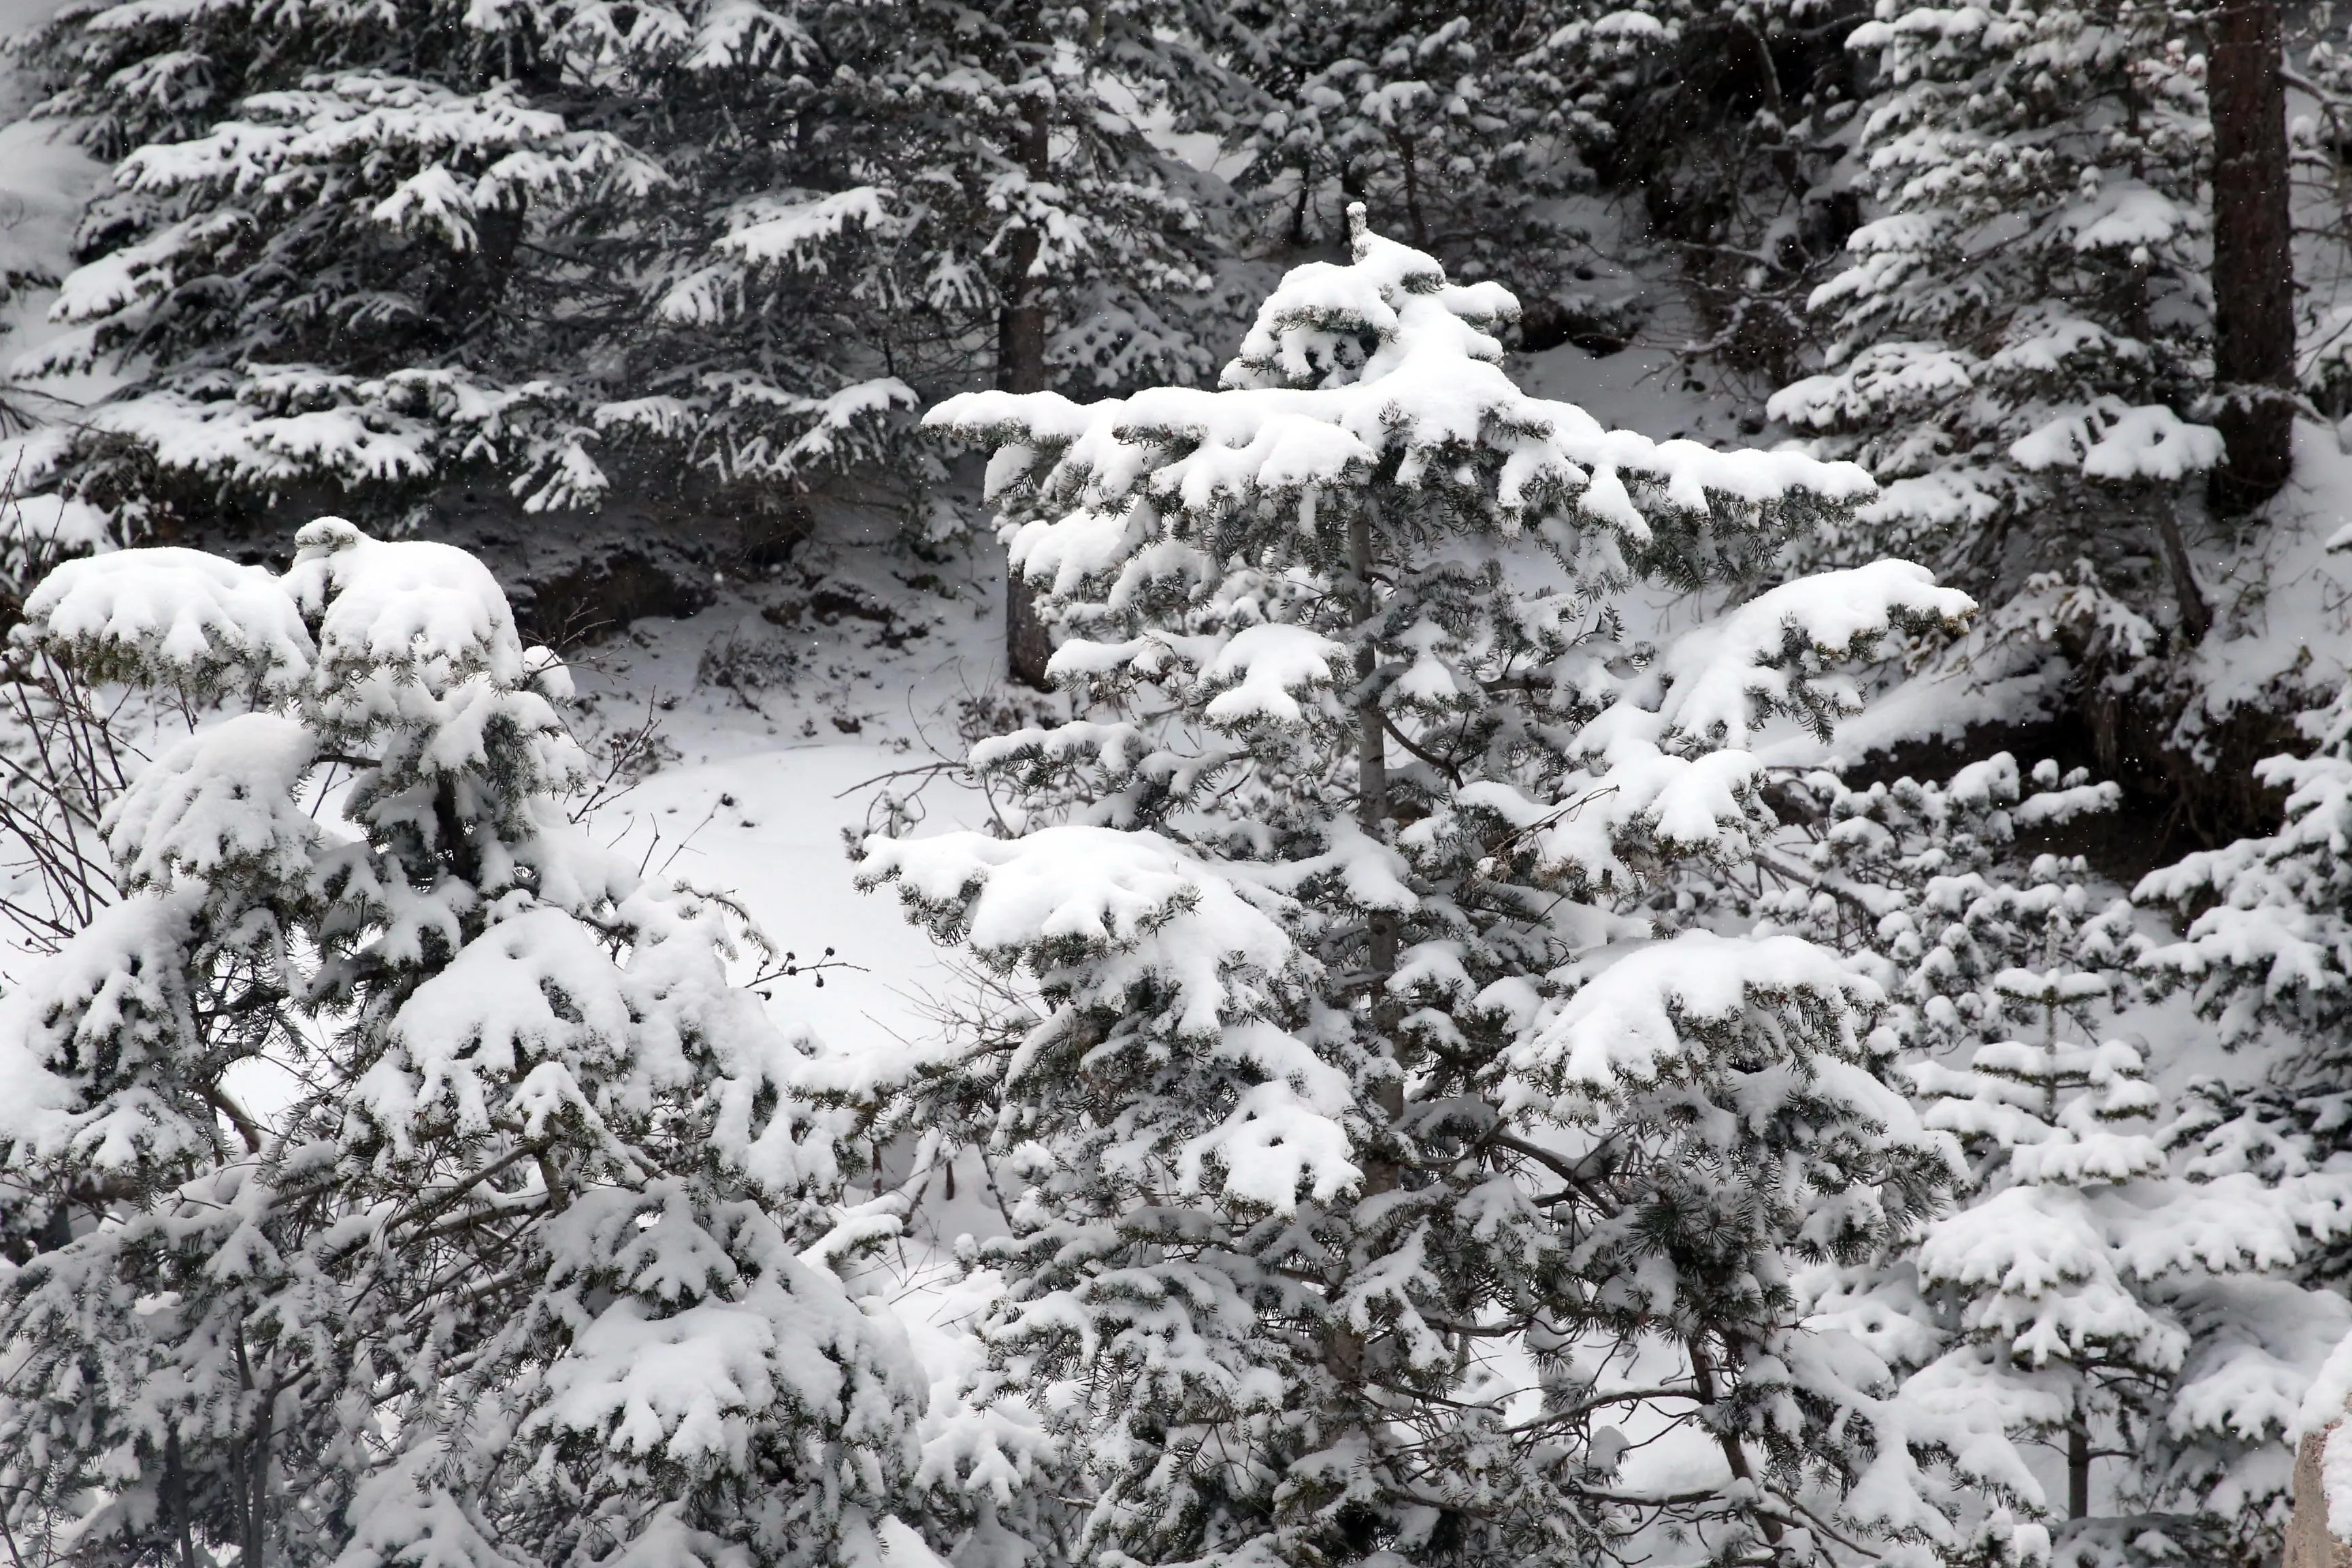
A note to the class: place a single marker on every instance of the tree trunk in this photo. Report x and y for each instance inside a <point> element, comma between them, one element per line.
<point>2078,1468</point>
<point>1371,733</point>
<point>2309,1542</point>
<point>176,1497</point>
<point>1381,1171</point>
<point>2253,263</point>
<point>1020,367</point>
<point>1735,1452</point>
<point>2196,610</point>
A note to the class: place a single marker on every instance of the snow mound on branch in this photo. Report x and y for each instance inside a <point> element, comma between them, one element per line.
<point>1171,917</point>
<point>220,796</point>
<point>431,610</point>
<point>408,603</point>
<point>784,232</point>
<point>1725,676</point>
<point>1644,1015</point>
<point>690,1385</point>
<point>540,988</point>
<point>1265,665</point>
<point>2110,441</point>
<point>397,1515</point>
<point>181,614</point>
<point>1273,1145</point>
<point>118,977</point>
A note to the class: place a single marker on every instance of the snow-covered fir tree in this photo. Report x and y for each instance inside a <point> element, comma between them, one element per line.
<point>420,1188</point>
<point>1455,126</point>
<point>2266,956</point>
<point>1384,1187</point>
<point>2116,1283</point>
<point>691,255</point>
<point>2020,344</point>
<point>2269,951</point>
<point>994,159</point>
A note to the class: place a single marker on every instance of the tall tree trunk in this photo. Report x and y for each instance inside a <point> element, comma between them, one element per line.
<point>2196,610</point>
<point>1371,734</point>
<point>2253,261</point>
<point>175,1498</point>
<point>252,1466</point>
<point>2078,1468</point>
<point>1381,1173</point>
<point>1020,367</point>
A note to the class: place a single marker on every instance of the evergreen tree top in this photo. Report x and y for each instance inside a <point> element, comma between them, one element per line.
<point>1380,368</point>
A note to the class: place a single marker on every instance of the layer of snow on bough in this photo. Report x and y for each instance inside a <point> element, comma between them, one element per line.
<point>119,973</point>
<point>405,603</point>
<point>1267,664</point>
<point>1722,671</point>
<point>773,231</point>
<point>689,1385</point>
<point>1274,1144</point>
<point>1178,917</point>
<point>538,989</point>
<point>223,795</point>
<point>175,609</point>
<point>2110,441</point>
<point>1625,1023</point>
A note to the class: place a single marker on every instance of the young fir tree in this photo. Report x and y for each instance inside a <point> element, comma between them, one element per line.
<point>2020,341</point>
<point>420,1187</point>
<point>1383,1186</point>
<point>2116,1282</point>
<point>1025,207</point>
<point>2268,954</point>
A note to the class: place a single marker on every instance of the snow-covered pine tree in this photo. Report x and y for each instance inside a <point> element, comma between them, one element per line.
<point>995,157</point>
<point>2264,958</point>
<point>432,1194</point>
<point>2116,1284</point>
<point>2057,1120</point>
<point>2267,955</point>
<point>689,254</point>
<point>1456,126</point>
<point>1383,1187</point>
<point>1018,201</point>
<point>2020,344</point>
<point>339,261</point>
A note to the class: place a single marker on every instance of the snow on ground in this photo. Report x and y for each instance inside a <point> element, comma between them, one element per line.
<point>767,824</point>
<point>788,716</point>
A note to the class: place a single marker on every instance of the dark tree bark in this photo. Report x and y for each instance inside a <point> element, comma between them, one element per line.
<point>2078,1468</point>
<point>2254,264</point>
<point>2196,610</point>
<point>175,1498</point>
<point>1020,367</point>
